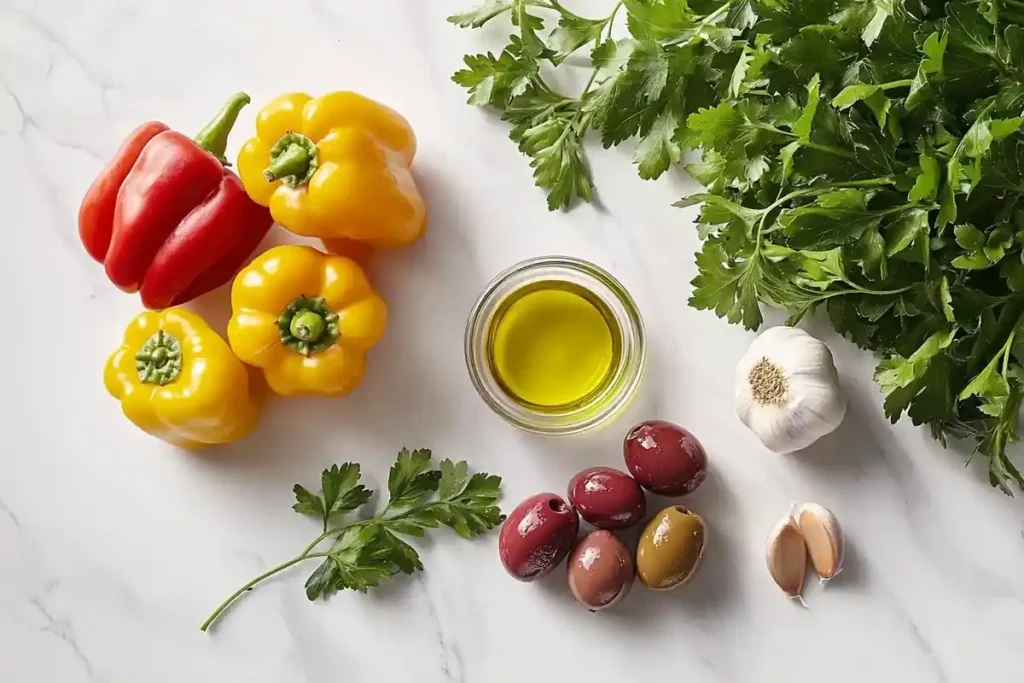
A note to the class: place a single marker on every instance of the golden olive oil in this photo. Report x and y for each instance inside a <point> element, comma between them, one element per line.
<point>552,344</point>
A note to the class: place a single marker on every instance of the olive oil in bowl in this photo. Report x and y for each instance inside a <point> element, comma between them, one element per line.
<point>555,345</point>
<point>552,344</point>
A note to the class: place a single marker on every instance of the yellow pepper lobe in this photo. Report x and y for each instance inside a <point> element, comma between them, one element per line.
<point>178,381</point>
<point>306,319</point>
<point>335,167</point>
<point>552,347</point>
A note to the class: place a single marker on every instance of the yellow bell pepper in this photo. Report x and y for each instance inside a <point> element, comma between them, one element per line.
<point>306,318</point>
<point>336,166</point>
<point>178,380</point>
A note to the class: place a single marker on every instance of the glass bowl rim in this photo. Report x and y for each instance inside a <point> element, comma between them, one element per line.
<point>630,367</point>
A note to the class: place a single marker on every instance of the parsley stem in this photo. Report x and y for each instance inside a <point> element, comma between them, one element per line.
<point>905,83</point>
<point>265,575</point>
<point>306,554</point>
<point>708,20</point>
<point>578,116</point>
<point>593,74</point>
<point>868,182</point>
<point>875,292</point>
<point>376,519</point>
<point>830,150</point>
<point>1006,351</point>
<point>611,19</point>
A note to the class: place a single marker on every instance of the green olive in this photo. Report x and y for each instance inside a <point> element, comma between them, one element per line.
<point>670,548</point>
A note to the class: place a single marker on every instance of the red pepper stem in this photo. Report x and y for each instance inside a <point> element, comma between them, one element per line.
<point>214,137</point>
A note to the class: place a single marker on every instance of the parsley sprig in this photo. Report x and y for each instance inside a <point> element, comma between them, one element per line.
<point>365,552</point>
<point>862,158</point>
<point>548,125</point>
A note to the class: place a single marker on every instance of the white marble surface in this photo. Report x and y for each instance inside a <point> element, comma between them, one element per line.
<point>114,547</point>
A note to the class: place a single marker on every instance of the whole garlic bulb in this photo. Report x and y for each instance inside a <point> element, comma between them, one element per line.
<point>787,389</point>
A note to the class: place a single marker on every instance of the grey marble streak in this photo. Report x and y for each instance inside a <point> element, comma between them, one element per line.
<point>10,514</point>
<point>61,629</point>
<point>450,660</point>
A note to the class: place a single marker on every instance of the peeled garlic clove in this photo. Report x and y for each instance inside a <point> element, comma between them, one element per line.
<point>787,557</point>
<point>823,536</point>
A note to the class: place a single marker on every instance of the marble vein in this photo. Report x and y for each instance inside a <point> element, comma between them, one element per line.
<point>27,120</point>
<point>9,513</point>
<point>56,40</point>
<point>63,630</point>
<point>922,643</point>
<point>449,652</point>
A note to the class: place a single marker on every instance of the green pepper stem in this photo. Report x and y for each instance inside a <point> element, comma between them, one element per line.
<point>293,160</point>
<point>308,325</point>
<point>159,359</point>
<point>214,137</point>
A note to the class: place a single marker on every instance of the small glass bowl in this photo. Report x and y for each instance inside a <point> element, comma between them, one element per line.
<point>593,409</point>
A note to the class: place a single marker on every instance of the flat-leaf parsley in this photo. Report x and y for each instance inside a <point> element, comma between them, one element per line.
<point>367,551</point>
<point>861,157</point>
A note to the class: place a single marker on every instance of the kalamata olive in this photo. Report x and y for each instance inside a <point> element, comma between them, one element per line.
<point>537,536</point>
<point>607,498</point>
<point>670,548</point>
<point>665,458</point>
<point>600,570</point>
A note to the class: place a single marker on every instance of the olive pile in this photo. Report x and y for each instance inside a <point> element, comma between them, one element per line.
<point>538,535</point>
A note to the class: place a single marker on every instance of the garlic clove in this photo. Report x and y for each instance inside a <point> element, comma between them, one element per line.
<point>823,536</point>
<point>786,556</point>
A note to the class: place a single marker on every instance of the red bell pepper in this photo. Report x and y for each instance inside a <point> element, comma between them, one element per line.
<point>166,218</point>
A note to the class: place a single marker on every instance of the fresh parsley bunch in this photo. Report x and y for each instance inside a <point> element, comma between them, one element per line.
<point>365,552</point>
<point>864,157</point>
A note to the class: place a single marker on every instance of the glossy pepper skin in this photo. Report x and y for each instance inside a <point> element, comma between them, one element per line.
<point>307,319</point>
<point>335,167</point>
<point>178,380</point>
<point>165,217</point>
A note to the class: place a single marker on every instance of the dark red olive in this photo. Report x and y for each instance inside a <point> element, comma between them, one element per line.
<point>537,536</point>
<point>665,458</point>
<point>607,498</point>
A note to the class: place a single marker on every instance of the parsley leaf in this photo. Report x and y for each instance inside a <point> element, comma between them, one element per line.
<point>481,14</point>
<point>660,148</point>
<point>365,552</point>
<point>411,478</point>
<point>340,492</point>
<point>572,33</point>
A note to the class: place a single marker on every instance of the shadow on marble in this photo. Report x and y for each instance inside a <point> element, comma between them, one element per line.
<point>855,453</point>
<point>215,306</point>
<point>851,577</point>
<point>419,359</point>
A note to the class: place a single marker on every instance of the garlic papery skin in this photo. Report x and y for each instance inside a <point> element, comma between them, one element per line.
<point>786,556</point>
<point>823,537</point>
<point>787,389</point>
